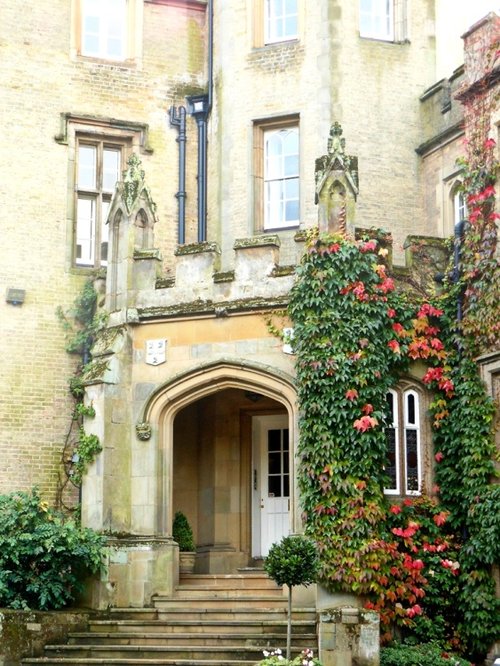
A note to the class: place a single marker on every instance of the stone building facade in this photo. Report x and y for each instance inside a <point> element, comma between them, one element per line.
<point>192,392</point>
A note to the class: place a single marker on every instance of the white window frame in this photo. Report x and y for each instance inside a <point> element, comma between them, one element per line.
<point>459,207</point>
<point>274,16</point>
<point>377,22</point>
<point>409,426</point>
<point>394,424</point>
<point>99,196</point>
<point>402,425</point>
<point>106,17</point>
<point>272,221</point>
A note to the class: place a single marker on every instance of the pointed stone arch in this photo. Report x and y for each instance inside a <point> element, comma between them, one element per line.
<point>179,392</point>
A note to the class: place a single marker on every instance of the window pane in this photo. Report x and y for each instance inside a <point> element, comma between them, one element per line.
<point>274,462</point>
<point>281,193</point>
<point>87,160</point>
<point>390,403</point>
<point>392,460</point>
<point>412,476</point>
<point>85,231</point>
<point>410,409</point>
<point>104,28</point>
<point>376,18</point>
<point>291,212</point>
<point>281,20</point>
<point>111,169</point>
<point>104,233</point>
<point>274,440</point>
<point>274,486</point>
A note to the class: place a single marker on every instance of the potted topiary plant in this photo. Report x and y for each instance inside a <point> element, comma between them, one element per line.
<point>183,535</point>
<point>292,561</point>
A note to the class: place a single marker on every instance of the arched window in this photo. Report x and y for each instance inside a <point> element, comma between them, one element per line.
<point>458,205</point>
<point>404,456</point>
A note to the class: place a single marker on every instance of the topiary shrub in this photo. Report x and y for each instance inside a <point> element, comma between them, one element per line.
<point>182,533</point>
<point>292,561</point>
<point>44,558</point>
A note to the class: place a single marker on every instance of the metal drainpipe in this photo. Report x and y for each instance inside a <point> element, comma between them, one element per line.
<point>178,119</point>
<point>210,63</point>
<point>201,121</point>
<point>459,231</point>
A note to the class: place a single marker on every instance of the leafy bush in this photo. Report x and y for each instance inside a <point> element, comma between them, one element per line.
<point>429,654</point>
<point>182,533</point>
<point>43,557</point>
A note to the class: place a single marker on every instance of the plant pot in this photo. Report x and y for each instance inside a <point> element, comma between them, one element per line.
<point>186,562</point>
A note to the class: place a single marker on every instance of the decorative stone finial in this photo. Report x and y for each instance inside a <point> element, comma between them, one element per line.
<point>336,185</point>
<point>133,183</point>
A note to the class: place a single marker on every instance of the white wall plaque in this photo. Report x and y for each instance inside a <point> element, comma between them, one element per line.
<point>156,352</point>
<point>287,340</point>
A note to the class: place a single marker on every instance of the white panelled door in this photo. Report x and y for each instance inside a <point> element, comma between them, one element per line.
<point>271,482</point>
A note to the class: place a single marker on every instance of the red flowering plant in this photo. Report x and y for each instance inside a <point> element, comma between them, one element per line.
<point>350,342</point>
<point>354,335</point>
<point>420,580</point>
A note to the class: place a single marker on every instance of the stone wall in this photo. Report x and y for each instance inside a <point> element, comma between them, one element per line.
<point>42,78</point>
<point>24,633</point>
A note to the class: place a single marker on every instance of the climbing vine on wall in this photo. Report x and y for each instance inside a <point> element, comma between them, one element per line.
<point>353,337</point>
<point>81,323</point>
<point>480,273</point>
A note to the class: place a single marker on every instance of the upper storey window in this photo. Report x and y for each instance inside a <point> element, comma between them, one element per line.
<point>281,20</point>
<point>99,165</point>
<point>281,177</point>
<point>104,29</point>
<point>376,19</point>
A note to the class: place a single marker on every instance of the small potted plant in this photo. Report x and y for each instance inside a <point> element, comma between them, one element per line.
<point>183,535</point>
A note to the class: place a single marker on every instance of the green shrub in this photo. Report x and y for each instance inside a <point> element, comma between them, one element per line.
<point>429,654</point>
<point>182,533</point>
<point>292,561</point>
<point>43,557</point>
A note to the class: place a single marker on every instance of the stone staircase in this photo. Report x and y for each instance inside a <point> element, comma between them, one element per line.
<point>210,621</point>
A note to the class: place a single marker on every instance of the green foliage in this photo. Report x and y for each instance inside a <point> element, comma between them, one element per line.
<point>43,557</point>
<point>275,658</point>
<point>424,565</point>
<point>347,320</point>
<point>292,561</point>
<point>182,533</point>
<point>425,654</point>
<point>82,321</point>
<point>87,448</point>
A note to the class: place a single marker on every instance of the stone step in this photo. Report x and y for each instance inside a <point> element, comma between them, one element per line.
<point>256,579</point>
<point>249,653</point>
<point>200,612</point>
<point>228,613</point>
<point>204,591</point>
<point>202,627</point>
<point>89,661</point>
<point>275,639</point>
<point>211,600</point>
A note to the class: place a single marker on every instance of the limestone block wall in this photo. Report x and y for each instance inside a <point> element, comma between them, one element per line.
<point>329,74</point>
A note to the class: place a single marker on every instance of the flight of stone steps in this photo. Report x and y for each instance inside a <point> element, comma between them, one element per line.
<point>210,621</point>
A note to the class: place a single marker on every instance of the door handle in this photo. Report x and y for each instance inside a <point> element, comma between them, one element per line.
<point>261,503</point>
